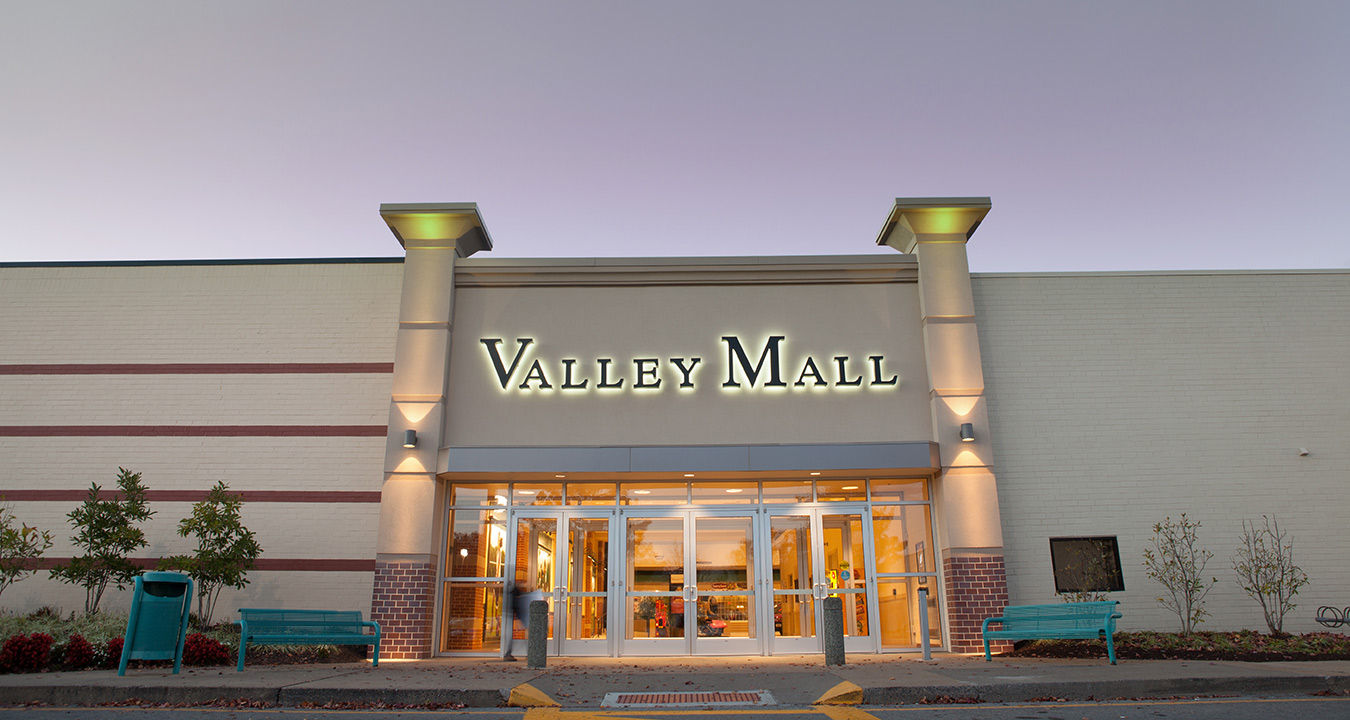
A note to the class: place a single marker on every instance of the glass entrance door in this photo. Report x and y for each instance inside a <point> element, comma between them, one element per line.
<point>572,572</point>
<point>586,617</point>
<point>725,597</point>
<point>817,553</point>
<point>655,597</point>
<point>690,584</point>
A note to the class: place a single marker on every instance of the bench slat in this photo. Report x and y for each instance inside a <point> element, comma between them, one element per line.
<point>271,626</point>
<point>1064,621</point>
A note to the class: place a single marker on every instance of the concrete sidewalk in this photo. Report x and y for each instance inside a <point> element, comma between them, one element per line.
<point>583,682</point>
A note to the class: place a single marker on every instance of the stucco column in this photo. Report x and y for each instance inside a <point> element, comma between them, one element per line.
<point>965,493</point>
<point>433,235</point>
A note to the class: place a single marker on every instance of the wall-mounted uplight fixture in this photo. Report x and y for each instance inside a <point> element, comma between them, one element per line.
<point>409,438</point>
<point>967,432</point>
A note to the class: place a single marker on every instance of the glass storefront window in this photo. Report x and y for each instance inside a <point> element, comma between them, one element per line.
<point>476,546</point>
<point>471,621</point>
<point>901,537</point>
<point>536,494</point>
<point>899,490</point>
<point>841,490</point>
<point>478,494</point>
<point>787,491</point>
<point>726,493</point>
<point>590,493</point>
<point>899,603</point>
<point>705,539</point>
<point>654,493</point>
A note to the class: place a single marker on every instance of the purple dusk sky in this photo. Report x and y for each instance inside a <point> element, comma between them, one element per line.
<point>1110,135</point>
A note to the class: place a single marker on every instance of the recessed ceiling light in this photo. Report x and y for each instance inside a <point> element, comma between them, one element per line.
<point>525,492</point>
<point>688,474</point>
<point>642,492</point>
<point>733,490</point>
<point>850,487</point>
<point>815,473</point>
<point>559,476</point>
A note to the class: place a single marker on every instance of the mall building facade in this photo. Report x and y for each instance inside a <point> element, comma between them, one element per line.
<point>685,455</point>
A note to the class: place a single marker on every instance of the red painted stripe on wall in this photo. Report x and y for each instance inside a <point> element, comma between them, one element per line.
<point>193,430</point>
<point>285,496</point>
<point>261,564</point>
<point>195,368</point>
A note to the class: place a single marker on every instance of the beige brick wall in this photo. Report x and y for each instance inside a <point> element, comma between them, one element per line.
<point>1118,399</point>
<point>287,313</point>
<point>329,312</point>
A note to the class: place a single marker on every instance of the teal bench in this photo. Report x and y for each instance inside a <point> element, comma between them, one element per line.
<point>305,627</point>
<point>1088,620</point>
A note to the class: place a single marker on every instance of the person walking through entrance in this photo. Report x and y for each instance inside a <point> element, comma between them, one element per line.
<point>518,598</point>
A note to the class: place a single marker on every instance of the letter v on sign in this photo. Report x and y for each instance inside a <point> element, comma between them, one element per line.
<point>503,373</point>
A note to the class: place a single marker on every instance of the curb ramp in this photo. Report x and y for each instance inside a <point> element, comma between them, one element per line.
<point>845,693</point>
<point>527,695</point>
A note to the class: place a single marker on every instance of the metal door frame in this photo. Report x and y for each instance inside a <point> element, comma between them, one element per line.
<point>815,513</point>
<point>558,598</point>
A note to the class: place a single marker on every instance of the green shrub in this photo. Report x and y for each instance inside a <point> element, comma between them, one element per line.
<point>106,531</point>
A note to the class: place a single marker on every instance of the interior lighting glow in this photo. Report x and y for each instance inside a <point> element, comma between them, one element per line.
<point>642,492</point>
<point>524,492</point>
<point>688,474</point>
<point>815,473</point>
<point>559,476</point>
<point>463,552</point>
<point>850,487</point>
<point>733,490</point>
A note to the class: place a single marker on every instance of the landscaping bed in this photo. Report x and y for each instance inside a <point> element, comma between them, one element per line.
<point>47,641</point>
<point>1243,645</point>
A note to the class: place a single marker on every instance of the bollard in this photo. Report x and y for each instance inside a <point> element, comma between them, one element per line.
<point>833,628</point>
<point>923,624</point>
<point>536,637</point>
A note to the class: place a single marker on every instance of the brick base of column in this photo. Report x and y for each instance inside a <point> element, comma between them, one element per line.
<point>977,588</point>
<point>401,603</point>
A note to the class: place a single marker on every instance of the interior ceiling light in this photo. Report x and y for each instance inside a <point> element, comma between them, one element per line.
<point>525,492</point>
<point>733,490</point>
<point>815,473</point>
<point>850,487</point>
<point>559,476</point>
<point>688,474</point>
<point>642,492</point>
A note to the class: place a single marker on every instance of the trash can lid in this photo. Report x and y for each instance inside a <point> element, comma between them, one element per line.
<point>164,577</point>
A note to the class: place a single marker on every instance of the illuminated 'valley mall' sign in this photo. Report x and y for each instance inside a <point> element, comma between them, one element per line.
<point>513,371</point>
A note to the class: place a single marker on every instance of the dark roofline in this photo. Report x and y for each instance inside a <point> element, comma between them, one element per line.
<point>180,263</point>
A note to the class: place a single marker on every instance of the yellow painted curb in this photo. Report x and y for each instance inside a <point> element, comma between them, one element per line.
<point>845,693</point>
<point>527,695</point>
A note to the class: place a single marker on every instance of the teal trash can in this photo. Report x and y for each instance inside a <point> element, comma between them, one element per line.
<point>158,623</point>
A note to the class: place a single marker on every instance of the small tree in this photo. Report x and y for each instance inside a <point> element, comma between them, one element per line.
<point>106,531</point>
<point>1178,563</point>
<point>225,549</point>
<point>19,547</point>
<point>1266,571</point>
